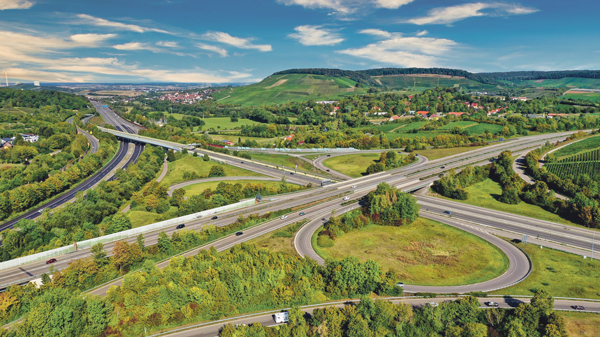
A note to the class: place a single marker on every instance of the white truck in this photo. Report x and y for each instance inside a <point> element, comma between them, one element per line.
<point>281,317</point>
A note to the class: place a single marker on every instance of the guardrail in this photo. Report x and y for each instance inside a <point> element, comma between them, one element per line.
<point>121,235</point>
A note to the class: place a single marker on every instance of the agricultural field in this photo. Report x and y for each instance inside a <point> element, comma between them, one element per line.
<point>480,128</point>
<point>424,82</point>
<point>566,170</point>
<point>424,252</point>
<point>289,88</point>
<point>592,96</point>
<point>460,124</point>
<point>584,145</point>
<point>196,165</point>
<point>572,82</point>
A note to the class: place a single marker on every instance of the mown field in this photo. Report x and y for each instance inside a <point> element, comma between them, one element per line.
<point>424,253</point>
<point>289,88</point>
<point>235,139</point>
<point>433,154</point>
<point>592,96</point>
<point>197,165</point>
<point>559,273</point>
<point>353,165</point>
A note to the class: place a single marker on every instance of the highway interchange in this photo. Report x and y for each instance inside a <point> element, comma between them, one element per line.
<point>479,221</point>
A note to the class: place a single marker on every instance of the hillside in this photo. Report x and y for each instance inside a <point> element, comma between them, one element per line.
<point>295,85</point>
<point>277,89</point>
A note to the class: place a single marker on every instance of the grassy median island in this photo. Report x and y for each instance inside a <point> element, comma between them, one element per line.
<point>279,241</point>
<point>433,154</point>
<point>484,194</point>
<point>581,323</point>
<point>272,185</point>
<point>355,165</point>
<point>423,253</point>
<point>288,161</point>
<point>559,273</point>
<point>188,163</point>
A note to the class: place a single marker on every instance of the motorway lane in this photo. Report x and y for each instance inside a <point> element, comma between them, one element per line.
<point>86,184</point>
<point>545,230</point>
<point>369,182</point>
<point>91,139</point>
<point>211,329</point>
<point>518,268</point>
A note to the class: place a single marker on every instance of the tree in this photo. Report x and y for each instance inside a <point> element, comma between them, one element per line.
<point>99,253</point>
<point>125,254</point>
<point>206,157</point>
<point>184,151</point>
<point>119,222</point>
<point>170,156</point>
<point>140,242</point>
<point>216,171</point>
<point>164,243</point>
<point>195,154</point>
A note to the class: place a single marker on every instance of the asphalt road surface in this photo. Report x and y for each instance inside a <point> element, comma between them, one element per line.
<point>211,329</point>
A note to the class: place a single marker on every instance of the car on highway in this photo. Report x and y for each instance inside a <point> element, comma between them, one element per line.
<point>433,304</point>
<point>328,170</point>
<point>239,233</point>
<point>291,173</point>
<point>448,212</point>
<point>491,304</point>
<point>400,284</point>
<point>283,217</point>
<point>346,198</point>
<point>578,307</point>
<point>50,261</point>
<point>324,219</point>
<point>242,162</point>
<point>214,217</point>
<point>281,317</point>
<point>353,186</point>
<point>443,167</point>
<point>42,210</point>
<point>328,155</point>
<point>180,226</point>
<point>302,213</point>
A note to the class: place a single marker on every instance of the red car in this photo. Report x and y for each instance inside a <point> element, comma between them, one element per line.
<point>50,261</point>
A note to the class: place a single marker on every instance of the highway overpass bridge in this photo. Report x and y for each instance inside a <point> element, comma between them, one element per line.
<point>147,140</point>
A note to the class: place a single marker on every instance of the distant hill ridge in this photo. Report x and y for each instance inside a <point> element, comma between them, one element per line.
<point>366,76</point>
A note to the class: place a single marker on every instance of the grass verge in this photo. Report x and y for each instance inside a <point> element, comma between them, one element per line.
<point>559,273</point>
<point>200,167</point>
<point>353,165</point>
<point>424,253</point>
<point>484,194</point>
<point>581,323</point>
<point>433,154</point>
<point>281,240</point>
<point>285,160</point>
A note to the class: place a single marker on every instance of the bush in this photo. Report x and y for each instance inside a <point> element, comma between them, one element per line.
<point>216,171</point>
<point>324,241</point>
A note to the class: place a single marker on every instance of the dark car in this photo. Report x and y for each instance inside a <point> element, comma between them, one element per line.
<point>447,212</point>
<point>328,155</point>
<point>50,261</point>
<point>291,173</point>
<point>578,307</point>
<point>239,233</point>
<point>214,217</point>
<point>242,162</point>
<point>328,170</point>
<point>180,226</point>
<point>443,167</point>
<point>302,213</point>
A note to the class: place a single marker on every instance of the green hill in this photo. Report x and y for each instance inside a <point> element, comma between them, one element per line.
<point>286,88</point>
<point>424,82</point>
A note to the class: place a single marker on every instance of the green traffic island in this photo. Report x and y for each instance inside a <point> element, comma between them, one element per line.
<point>387,230</point>
<point>362,164</point>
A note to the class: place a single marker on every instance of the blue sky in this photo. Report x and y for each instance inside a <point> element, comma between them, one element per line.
<point>224,41</point>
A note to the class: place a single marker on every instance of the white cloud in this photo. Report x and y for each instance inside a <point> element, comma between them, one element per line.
<point>42,58</point>
<point>137,46</point>
<point>422,33</point>
<point>346,7</point>
<point>316,36</point>
<point>15,4</point>
<point>448,15</point>
<point>167,44</point>
<point>402,51</point>
<point>99,22</point>
<point>376,32</point>
<point>392,4</point>
<point>215,49</point>
<point>236,41</point>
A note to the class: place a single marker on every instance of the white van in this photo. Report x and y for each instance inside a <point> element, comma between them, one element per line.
<point>281,317</point>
